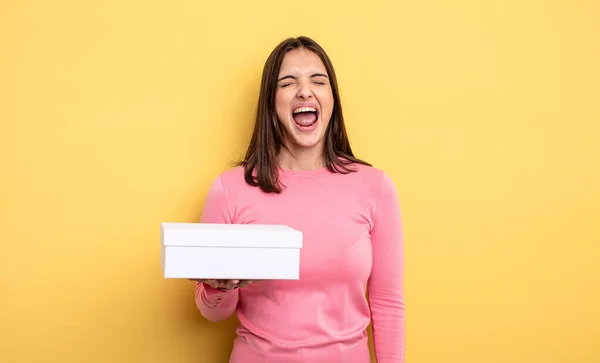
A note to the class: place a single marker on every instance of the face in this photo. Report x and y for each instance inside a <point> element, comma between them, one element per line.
<point>304,99</point>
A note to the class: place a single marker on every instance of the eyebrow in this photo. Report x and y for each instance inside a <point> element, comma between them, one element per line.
<point>294,77</point>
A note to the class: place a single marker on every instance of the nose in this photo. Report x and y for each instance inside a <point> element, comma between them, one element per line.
<point>304,91</point>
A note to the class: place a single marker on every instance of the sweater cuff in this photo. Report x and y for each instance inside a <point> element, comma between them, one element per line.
<point>214,297</point>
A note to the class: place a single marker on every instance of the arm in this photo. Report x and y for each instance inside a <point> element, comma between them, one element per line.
<point>215,304</point>
<point>386,285</point>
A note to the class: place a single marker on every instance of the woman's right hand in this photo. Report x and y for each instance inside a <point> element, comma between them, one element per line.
<point>225,284</point>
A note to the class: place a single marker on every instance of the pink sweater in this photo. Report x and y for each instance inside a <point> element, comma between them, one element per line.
<point>352,238</point>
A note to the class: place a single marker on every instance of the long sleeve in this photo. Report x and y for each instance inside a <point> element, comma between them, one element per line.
<point>215,304</point>
<point>386,283</point>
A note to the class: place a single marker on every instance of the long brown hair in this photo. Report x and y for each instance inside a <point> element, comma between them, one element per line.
<point>260,162</point>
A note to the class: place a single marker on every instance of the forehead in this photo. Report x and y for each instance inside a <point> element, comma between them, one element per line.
<point>302,61</point>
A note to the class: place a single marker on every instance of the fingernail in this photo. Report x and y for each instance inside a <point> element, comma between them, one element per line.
<point>235,281</point>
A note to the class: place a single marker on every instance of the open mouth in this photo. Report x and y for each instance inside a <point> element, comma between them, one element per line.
<point>305,117</point>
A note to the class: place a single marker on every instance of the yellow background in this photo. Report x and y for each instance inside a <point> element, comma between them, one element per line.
<point>116,115</point>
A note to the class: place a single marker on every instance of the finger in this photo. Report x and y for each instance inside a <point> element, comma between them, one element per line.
<point>245,283</point>
<point>200,281</point>
<point>221,284</point>
<point>232,284</point>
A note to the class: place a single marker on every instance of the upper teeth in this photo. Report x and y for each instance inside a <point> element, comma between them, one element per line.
<point>305,109</point>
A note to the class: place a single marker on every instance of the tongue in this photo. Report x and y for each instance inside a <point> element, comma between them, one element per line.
<point>305,118</point>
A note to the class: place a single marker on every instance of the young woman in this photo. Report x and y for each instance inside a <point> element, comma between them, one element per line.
<point>300,171</point>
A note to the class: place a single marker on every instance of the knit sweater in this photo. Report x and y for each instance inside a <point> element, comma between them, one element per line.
<point>352,246</point>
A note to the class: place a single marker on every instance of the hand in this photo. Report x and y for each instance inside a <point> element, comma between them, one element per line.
<point>225,284</point>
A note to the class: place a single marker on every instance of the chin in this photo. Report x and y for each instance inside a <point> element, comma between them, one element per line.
<point>307,144</point>
<point>307,140</point>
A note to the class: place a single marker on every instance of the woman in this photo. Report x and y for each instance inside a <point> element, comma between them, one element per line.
<point>300,171</point>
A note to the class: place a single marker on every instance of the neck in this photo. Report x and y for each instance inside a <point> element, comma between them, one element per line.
<point>302,158</point>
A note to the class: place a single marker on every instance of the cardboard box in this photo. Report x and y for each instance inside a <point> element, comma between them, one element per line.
<point>230,251</point>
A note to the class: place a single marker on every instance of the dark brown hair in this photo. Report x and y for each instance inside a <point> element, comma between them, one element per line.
<point>260,162</point>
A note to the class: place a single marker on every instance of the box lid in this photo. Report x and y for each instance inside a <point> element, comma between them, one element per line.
<point>229,235</point>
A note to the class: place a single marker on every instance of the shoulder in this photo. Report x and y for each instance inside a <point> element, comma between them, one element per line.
<point>373,179</point>
<point>233,183</point>
<point>369,174</point>
<point>233,175</point>
<point>366,171</point>
<point>229,179</point>
<point>224,191</point>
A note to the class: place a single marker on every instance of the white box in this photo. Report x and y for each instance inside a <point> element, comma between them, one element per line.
<point>230,251</point>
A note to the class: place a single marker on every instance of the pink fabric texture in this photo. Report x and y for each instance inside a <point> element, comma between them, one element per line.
<point>352,245</point>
